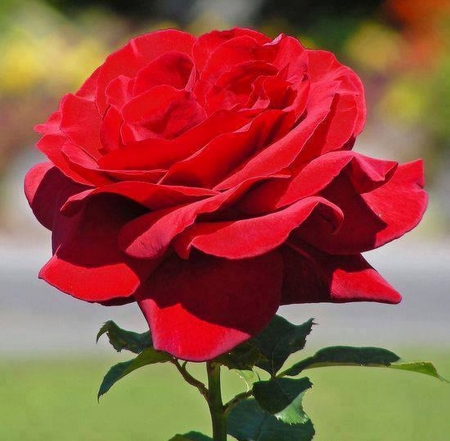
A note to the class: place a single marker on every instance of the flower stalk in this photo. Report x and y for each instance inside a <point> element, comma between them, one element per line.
<point>216,406</point>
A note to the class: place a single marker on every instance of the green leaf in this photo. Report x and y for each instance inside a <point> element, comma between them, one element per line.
<point>248,422</point>
<point>345,356</point>
<point>282,397</point>
<point>122,339</point>
<point>242,357</point>
<point>247,376</point>
<point>278,341</point>
<point>191,436</point>
<point>354,356</point>
<point>120,370</point>
<point>420,367</point>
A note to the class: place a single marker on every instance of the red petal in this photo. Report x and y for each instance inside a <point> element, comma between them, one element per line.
<point>137,54</point>
<point>208,43</point>
<point>200,308</point>
<point>110,131</point>
<point>80,121</point>
<point>151,196</point>
<point>252,237</point>
<point>311,276</point>
<point>226,152</point>
<point>87,263</point>
<point>172,69</point>
<point>400,203</point>
<point>157,153</point>
<point>149,236</point>
<point>46,189</point>
<point>373,218</point>
<point>89,87</point>
<point>163,111</point>
<point>365,174</point>
<point>283,152</point>
<point>324,68</point>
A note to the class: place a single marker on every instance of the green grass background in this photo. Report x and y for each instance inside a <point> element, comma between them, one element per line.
<point>55,400</point>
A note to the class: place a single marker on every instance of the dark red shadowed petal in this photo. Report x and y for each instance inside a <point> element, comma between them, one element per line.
<point>200,308</point>
<point>311,276</point>
<point>252,237</point>
<point>151,196</point>
<point>370,219</point>
<point>46,190</point>
<point>87,262</point>
<point>400,203</point>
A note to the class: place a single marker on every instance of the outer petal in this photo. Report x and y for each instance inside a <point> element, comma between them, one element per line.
<point>401,203</point>
<point>47,189</point>
<point>200,308</point>
<point>253,237</point>
<point>365,174</point>
<point>311,276</point>
<point>87,262</point>
<point>372,218</point>
<point>324,67</point>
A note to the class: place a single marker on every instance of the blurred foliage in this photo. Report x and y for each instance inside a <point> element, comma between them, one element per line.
<point>328,23</point>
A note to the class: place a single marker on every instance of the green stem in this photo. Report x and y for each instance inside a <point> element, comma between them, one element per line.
<point>190,379</point>
<point>216,407</point>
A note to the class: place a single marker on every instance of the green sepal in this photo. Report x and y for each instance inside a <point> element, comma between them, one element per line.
<point>122,339</point>
<point>120,370</point>
<point>278,341</point>
<point>282,397</point>
<point>247,421</point>
<point>345,356</point>
<point>191,436</point>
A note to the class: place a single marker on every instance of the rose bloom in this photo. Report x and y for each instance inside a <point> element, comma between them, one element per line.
<point>211,180</point>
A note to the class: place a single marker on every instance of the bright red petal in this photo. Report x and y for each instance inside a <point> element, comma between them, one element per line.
<point>253,237</point>
<point>200,308</point>
<point>149,236</point>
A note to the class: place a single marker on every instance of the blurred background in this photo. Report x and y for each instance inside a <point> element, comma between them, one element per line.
<point>49,365</point>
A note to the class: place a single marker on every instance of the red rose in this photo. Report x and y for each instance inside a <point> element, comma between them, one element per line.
<point>212,180</point>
